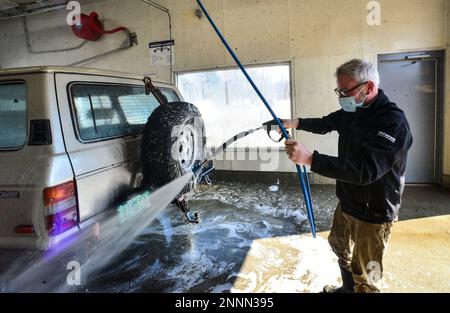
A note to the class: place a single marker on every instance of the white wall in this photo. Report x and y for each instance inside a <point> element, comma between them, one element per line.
<point>50,31</point>
<point>446,166</point>
<point>314,35</point>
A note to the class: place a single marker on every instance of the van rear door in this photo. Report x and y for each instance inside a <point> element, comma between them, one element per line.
<point>32,158</point>
<point>13,136</point>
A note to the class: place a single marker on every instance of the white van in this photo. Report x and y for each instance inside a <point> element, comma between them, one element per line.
<point>70,143</point>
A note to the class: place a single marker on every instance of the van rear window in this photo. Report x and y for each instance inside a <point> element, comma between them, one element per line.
<point>13,115</point>
<point>109,111</point>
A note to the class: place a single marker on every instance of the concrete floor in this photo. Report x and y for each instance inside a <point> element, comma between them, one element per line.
<point>417,259</point>
<point>255,240</point>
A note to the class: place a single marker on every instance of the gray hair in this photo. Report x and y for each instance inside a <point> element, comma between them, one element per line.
<point>360,70</point>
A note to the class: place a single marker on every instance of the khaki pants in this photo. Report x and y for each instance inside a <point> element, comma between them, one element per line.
<point>360,247</point>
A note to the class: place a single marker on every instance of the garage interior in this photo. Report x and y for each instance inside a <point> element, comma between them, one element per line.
<point>254,234</point>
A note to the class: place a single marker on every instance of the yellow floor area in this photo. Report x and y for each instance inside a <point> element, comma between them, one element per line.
<point>417,260</point>
<point>418,257</point>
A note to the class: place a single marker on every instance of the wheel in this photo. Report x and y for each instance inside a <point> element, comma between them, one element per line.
<point>173,142</point>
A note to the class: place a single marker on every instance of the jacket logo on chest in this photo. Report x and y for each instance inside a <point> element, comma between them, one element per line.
<point>386,136</point>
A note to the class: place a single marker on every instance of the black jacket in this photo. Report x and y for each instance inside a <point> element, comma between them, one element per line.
<point>370,167</point>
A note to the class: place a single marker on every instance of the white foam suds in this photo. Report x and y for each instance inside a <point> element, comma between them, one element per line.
<point>247,241</point>
<point>164,219</point>
<point>309,265</point>
<point>221,288</point>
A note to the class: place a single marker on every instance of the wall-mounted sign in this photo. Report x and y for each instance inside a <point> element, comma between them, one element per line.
<point>162,53</point>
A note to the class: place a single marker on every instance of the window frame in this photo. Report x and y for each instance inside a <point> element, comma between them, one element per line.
<point>101,84</point>
<point>287,63</point>
<point>27,128</point>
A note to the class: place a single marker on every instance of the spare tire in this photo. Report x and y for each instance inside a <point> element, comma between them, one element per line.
<point>173,143</point>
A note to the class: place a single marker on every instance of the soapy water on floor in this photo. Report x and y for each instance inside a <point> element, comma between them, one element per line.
<point>252,238</point>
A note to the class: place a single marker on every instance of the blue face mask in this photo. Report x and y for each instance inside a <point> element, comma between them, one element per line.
<point>349,104</point>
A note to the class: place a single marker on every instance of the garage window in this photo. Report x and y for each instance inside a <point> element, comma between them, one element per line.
<point>13,115</point>
<point>110,111</point>
<point>229,104</point>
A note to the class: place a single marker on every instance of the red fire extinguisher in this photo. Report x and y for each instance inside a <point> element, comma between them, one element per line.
<point>91,28</point>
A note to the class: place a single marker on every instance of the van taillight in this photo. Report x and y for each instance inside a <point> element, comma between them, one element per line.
<point>61,208</point>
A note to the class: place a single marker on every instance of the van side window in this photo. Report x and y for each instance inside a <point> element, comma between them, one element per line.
<point>13,115</point>
<point>110,111</point>
<point>170,95</point>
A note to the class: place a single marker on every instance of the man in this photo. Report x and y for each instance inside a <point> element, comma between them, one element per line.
<point>374,138</point>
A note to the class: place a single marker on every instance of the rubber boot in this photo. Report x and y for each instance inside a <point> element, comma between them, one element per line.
<point>348,285</point>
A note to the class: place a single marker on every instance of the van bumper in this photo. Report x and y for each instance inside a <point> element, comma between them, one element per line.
<point>22,243</point>
<point>66,240</point>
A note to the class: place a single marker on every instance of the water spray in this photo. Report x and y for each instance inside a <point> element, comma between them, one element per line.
<point>116,233</point>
